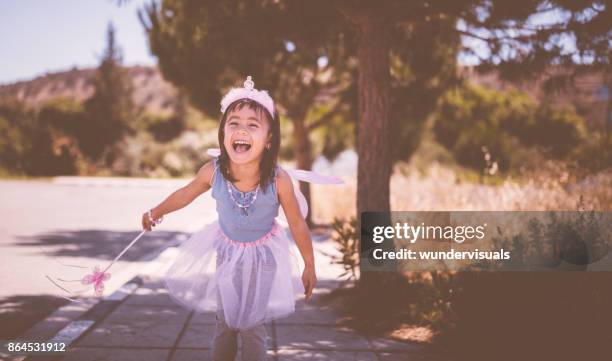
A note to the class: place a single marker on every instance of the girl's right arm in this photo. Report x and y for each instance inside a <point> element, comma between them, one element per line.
<point>183,196</point>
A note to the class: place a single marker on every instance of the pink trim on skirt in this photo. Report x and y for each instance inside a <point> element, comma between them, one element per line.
<point>261,240</point>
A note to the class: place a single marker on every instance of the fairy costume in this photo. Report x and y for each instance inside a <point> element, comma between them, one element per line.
<point>241,262</point>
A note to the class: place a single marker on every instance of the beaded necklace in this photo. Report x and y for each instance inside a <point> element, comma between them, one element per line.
<point>240,205</point>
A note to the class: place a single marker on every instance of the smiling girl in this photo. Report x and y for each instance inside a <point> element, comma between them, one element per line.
<point>241,265</point>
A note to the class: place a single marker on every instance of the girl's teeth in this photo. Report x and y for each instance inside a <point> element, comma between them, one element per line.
<point>241,147</point>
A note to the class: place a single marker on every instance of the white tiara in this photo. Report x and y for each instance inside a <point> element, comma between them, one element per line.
<point>260,96</point>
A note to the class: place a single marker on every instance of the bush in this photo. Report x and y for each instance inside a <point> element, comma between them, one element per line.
<point>16,124</point>
<point>141,156</point>
<point>40,143</point>
<point>347,238</point>
<point>64,119</point>
<point>557,130</point>
<point>163,128</point>
<point>470,118</point>
<point>166,129</point>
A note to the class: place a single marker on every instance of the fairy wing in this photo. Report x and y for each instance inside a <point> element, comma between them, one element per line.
<point>213,152</point>
<point>297,175</point>
<point>313,177</point>
<point>301,202</point>
<point>301,175</point>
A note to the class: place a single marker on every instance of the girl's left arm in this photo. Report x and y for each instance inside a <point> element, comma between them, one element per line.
<point>298,227</point>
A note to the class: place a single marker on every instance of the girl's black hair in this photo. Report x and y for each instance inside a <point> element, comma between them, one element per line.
<point>270,156</point>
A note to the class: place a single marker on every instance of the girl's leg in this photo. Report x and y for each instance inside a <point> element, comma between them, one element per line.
<point>254,343</point>
<point>254,339</point>
<point>225,343</point>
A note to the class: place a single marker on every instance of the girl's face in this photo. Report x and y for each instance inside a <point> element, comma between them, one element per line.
<point>246,135</point>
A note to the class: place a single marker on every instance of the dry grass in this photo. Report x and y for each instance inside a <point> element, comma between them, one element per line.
<point>441,188</point>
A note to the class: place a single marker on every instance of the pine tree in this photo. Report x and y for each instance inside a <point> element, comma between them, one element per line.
<point>111,107</point>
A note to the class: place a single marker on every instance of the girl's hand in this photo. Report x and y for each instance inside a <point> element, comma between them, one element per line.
<point>309,279</point>
<point>146,222</point>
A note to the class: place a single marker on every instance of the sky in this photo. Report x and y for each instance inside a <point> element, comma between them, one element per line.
<point>40,36</point>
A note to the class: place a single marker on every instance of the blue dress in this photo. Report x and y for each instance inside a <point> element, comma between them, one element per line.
<point>243,263</point>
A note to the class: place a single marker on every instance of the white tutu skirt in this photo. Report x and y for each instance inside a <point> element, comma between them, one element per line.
<point>252,282</point>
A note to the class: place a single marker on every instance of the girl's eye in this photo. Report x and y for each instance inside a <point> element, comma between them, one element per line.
<point>253,125</point>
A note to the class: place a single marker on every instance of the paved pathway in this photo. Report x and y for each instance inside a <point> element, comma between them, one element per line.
<point>139,321</point>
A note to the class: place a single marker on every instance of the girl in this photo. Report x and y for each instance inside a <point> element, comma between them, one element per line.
<point>241,265</point>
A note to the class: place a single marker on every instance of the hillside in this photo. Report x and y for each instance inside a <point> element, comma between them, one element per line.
<point>157,95</point>
<point>151,91</point>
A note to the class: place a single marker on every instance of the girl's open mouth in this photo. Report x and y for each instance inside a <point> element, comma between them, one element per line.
<point>241,146</point>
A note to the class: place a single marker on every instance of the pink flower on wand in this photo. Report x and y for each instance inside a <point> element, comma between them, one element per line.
<point>97,278</point>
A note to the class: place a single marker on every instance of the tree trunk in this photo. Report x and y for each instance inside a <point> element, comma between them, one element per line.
<point>303,156</point>
<point>374,150</point>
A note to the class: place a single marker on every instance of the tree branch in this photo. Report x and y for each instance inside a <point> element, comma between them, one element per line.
<point>324,118</point>
<point>472,35</point>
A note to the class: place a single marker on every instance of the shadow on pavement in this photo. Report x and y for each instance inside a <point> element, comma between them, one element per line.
<point>19,313</point>
<point>99,244</point>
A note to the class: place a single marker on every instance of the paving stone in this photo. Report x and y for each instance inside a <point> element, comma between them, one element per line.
<point>197,335</point>
<point>115,354</point>
<point>166,315</point>
<point>203,317</point>
<point>310,315</point>
<point>200,335</point>
<point>140,327</point>
<point>156,285</point>
<point>134,333</point>
<point>123,292</point>
<point>150,297</point>
<point>72,331</point>
<point>313,311</point>
<point>206,317</point>
<point>59,319</point>
<point>319,337</point>
<point>314,355</point>
<point>192,355</point>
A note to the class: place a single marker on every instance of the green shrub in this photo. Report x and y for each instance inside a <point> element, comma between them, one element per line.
<point>347,238</point>
<point>40,143</point>
<point>163,128</point>
<point>469,118</point>
<point>16,124</point>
